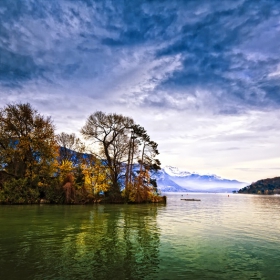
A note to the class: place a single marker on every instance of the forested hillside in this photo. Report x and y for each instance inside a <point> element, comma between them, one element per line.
<point>265,186</point>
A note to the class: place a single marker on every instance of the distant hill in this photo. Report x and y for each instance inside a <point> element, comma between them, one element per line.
<point>265,186</point>
<point>171,179</point>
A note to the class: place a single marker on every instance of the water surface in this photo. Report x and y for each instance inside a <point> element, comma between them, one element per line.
<point>219,237</point>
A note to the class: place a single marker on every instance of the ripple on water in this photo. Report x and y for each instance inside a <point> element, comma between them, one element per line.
<point>219,237</point>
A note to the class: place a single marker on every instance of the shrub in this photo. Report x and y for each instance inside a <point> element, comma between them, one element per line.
<point>19,191</point>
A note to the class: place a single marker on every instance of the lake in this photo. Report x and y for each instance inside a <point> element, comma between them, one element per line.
<point>219,237</point>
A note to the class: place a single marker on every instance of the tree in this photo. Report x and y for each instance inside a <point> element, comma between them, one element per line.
<point>110,132</point>
<point>143,186</point>
<point>71,148</point>
<point>72,153</point>
<point>149,150</point>
<point>27,143</point>
<point>96,178</point>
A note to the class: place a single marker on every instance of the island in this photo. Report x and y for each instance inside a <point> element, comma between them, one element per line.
<point>38,165</point>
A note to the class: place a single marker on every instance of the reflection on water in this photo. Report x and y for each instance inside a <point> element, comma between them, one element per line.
<point>79,242</point>
<point>220,237</point>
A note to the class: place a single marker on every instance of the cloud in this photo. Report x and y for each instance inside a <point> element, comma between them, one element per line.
<point>217,57</point>
<point>203,77</point>
<point>220,50</point>
<point>257,169</point>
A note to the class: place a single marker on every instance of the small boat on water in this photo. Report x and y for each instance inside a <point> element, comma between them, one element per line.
<point>190,199</point>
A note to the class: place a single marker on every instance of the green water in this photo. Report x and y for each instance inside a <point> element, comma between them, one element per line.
<point>220,237</point>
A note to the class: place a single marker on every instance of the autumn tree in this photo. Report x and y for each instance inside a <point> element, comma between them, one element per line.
<point>37,164</point>
<point>142,186</point>
<point>28,155</point>
<point>96,178</point>
<point>110,132</point>
<point>71,148</point>
<point>71,156</point>
<point>27,142</point>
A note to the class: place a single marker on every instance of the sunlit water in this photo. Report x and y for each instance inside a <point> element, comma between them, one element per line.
<point>219,237</point>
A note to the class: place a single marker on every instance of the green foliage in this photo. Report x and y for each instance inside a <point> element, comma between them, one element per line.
<point>52,192</point>
<point>18,191</point>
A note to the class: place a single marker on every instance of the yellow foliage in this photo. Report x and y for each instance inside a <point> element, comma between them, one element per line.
<point>28,142</point>
<point>140,190</point>
<point>65,168</point>
<point>95,178</point>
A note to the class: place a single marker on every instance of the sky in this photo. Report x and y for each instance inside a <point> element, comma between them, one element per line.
<point>202,77</point>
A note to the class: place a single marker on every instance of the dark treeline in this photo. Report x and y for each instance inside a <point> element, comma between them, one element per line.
<point>38,165</point>
<point>264,186</point>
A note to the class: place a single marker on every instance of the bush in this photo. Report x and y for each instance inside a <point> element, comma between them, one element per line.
<point>19,191</point>
<point>52,192</point>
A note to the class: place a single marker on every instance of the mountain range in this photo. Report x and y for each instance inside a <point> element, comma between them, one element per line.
<point>171,179</point>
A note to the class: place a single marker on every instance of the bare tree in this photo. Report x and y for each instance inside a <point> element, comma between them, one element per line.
<point>71,148</point>
<point>111,132</point>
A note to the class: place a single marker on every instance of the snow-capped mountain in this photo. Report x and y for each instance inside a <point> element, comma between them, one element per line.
<point>171,179</point>
<point>174,171</point>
